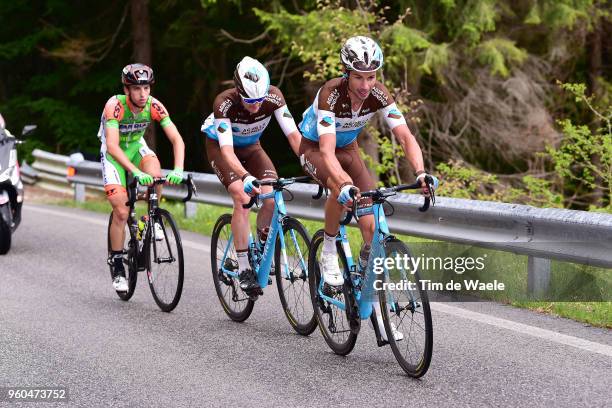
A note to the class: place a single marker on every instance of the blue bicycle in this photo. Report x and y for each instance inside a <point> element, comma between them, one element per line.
<point>287,245</point>
<point>403,304</point>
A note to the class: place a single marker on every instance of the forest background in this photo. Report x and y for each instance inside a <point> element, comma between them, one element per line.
<point>510,100</point>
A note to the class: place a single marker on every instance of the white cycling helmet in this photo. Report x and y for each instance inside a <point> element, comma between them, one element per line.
<point>251,79</point>
<point>361,54</point>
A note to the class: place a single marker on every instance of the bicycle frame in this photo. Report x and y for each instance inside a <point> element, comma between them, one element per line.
<point>263,262</point>
<point>363,289</point>
<point>143,255</point>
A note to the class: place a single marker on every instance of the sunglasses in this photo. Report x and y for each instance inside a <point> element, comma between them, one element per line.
<point>253,101</point>
<point>360,66</point>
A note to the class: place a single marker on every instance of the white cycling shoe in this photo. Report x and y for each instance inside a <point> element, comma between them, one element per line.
<point>159,232</point>
<point>120,284</point>
<point>330,270</point>
<point>397,335</point>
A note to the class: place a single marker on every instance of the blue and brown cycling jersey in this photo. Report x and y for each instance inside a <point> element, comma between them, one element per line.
<point>331,112</point>
<point>231,124</point>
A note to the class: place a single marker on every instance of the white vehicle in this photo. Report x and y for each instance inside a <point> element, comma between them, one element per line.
<point>11,187</point>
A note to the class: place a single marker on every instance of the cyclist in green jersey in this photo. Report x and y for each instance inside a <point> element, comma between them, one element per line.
<point>123,124</point>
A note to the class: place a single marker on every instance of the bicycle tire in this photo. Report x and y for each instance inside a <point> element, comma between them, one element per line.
<point>301,316</point>
<point>129,261</point>
<point>330,317</point>
<point>166,251</point>
<point>224,284</point>
<point>409,301</point>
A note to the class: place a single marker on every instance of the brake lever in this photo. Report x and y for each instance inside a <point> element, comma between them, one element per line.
<point>431,199</point>
<point>319,193</point>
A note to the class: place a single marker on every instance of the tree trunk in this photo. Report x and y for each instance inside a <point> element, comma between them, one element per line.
<point>142,50</point>
<point>594,49</point>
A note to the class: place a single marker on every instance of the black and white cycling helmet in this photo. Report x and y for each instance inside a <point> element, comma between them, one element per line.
<point>361,54</point>
<point>251,79</point>
<point>137,74</point>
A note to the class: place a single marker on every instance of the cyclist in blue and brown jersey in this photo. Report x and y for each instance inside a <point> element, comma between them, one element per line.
<point>233,129</point>
<point>329,151</point>
<point>123,124</point>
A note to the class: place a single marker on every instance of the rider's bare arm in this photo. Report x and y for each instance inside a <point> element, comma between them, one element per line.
<point>294,139</point>
<point>327,147</point>
<point>227,151</point>
<point>411,148</point>
<point>286,122</point>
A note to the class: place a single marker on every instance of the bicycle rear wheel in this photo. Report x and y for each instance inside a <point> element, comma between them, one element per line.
<point>129,260</point>
<point>165,268</point>
<point>292,277</point>
<point>236,304</point>
<point>339,327</point>
<point>408,311</point>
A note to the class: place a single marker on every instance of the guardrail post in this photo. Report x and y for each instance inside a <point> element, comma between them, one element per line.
<point>538,275</point>
<point>191,209</point>
<point>79,193</point>
<point>79,189</point>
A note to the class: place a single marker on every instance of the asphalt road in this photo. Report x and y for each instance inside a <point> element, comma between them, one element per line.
<point>61,324</point>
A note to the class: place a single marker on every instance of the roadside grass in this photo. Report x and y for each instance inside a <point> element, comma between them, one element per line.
<point>580,292</point>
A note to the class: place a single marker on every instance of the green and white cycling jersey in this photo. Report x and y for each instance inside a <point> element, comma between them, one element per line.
<point>119,114</point>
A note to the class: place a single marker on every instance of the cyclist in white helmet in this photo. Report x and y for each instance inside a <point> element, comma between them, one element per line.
<point>240,115</point>
<point>329,151</point>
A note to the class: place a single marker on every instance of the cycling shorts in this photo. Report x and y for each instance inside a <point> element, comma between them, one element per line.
<point>252,157</point>
<point>313,164</point>
<point>113,173</point>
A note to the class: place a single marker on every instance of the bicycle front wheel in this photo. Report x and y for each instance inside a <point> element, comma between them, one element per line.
<point>165,261</point>
<point>292,277</point>
<point>334,307</point>
<point>406,311</point>
<point>129,260</point>
<point>237,305</point>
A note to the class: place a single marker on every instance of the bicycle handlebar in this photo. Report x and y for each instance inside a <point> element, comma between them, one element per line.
<point>277,184</point>
<point>382,193</point>
<point>188,181</point>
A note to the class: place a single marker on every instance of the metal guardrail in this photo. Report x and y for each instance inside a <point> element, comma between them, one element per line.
<point>541,233</point>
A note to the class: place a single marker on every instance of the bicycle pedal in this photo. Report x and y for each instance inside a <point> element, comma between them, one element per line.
<point>381,342</point>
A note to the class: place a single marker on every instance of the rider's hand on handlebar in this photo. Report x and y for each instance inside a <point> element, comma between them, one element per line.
<point>175,176</point>
<point>249,187</point>
<point>347,194</point>
<point>143,178</point>
<point>421,177</point>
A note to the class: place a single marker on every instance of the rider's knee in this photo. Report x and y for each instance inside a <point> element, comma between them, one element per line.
<point>121,213</point>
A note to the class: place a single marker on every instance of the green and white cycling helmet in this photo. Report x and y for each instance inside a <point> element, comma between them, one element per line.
<point>361,54</point>
<point>252,80</point>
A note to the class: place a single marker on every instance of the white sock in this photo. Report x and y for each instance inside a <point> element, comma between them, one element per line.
<point>329,243</point>
<point>243,260</point>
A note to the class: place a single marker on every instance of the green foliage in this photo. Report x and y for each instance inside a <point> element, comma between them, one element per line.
<point>461,181</point>
<point>316,37</point>
<point>585,155</point>
<point>478,18</point>
<point>68,122</point>
<point>386,165</point>
<point>499,54</point>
